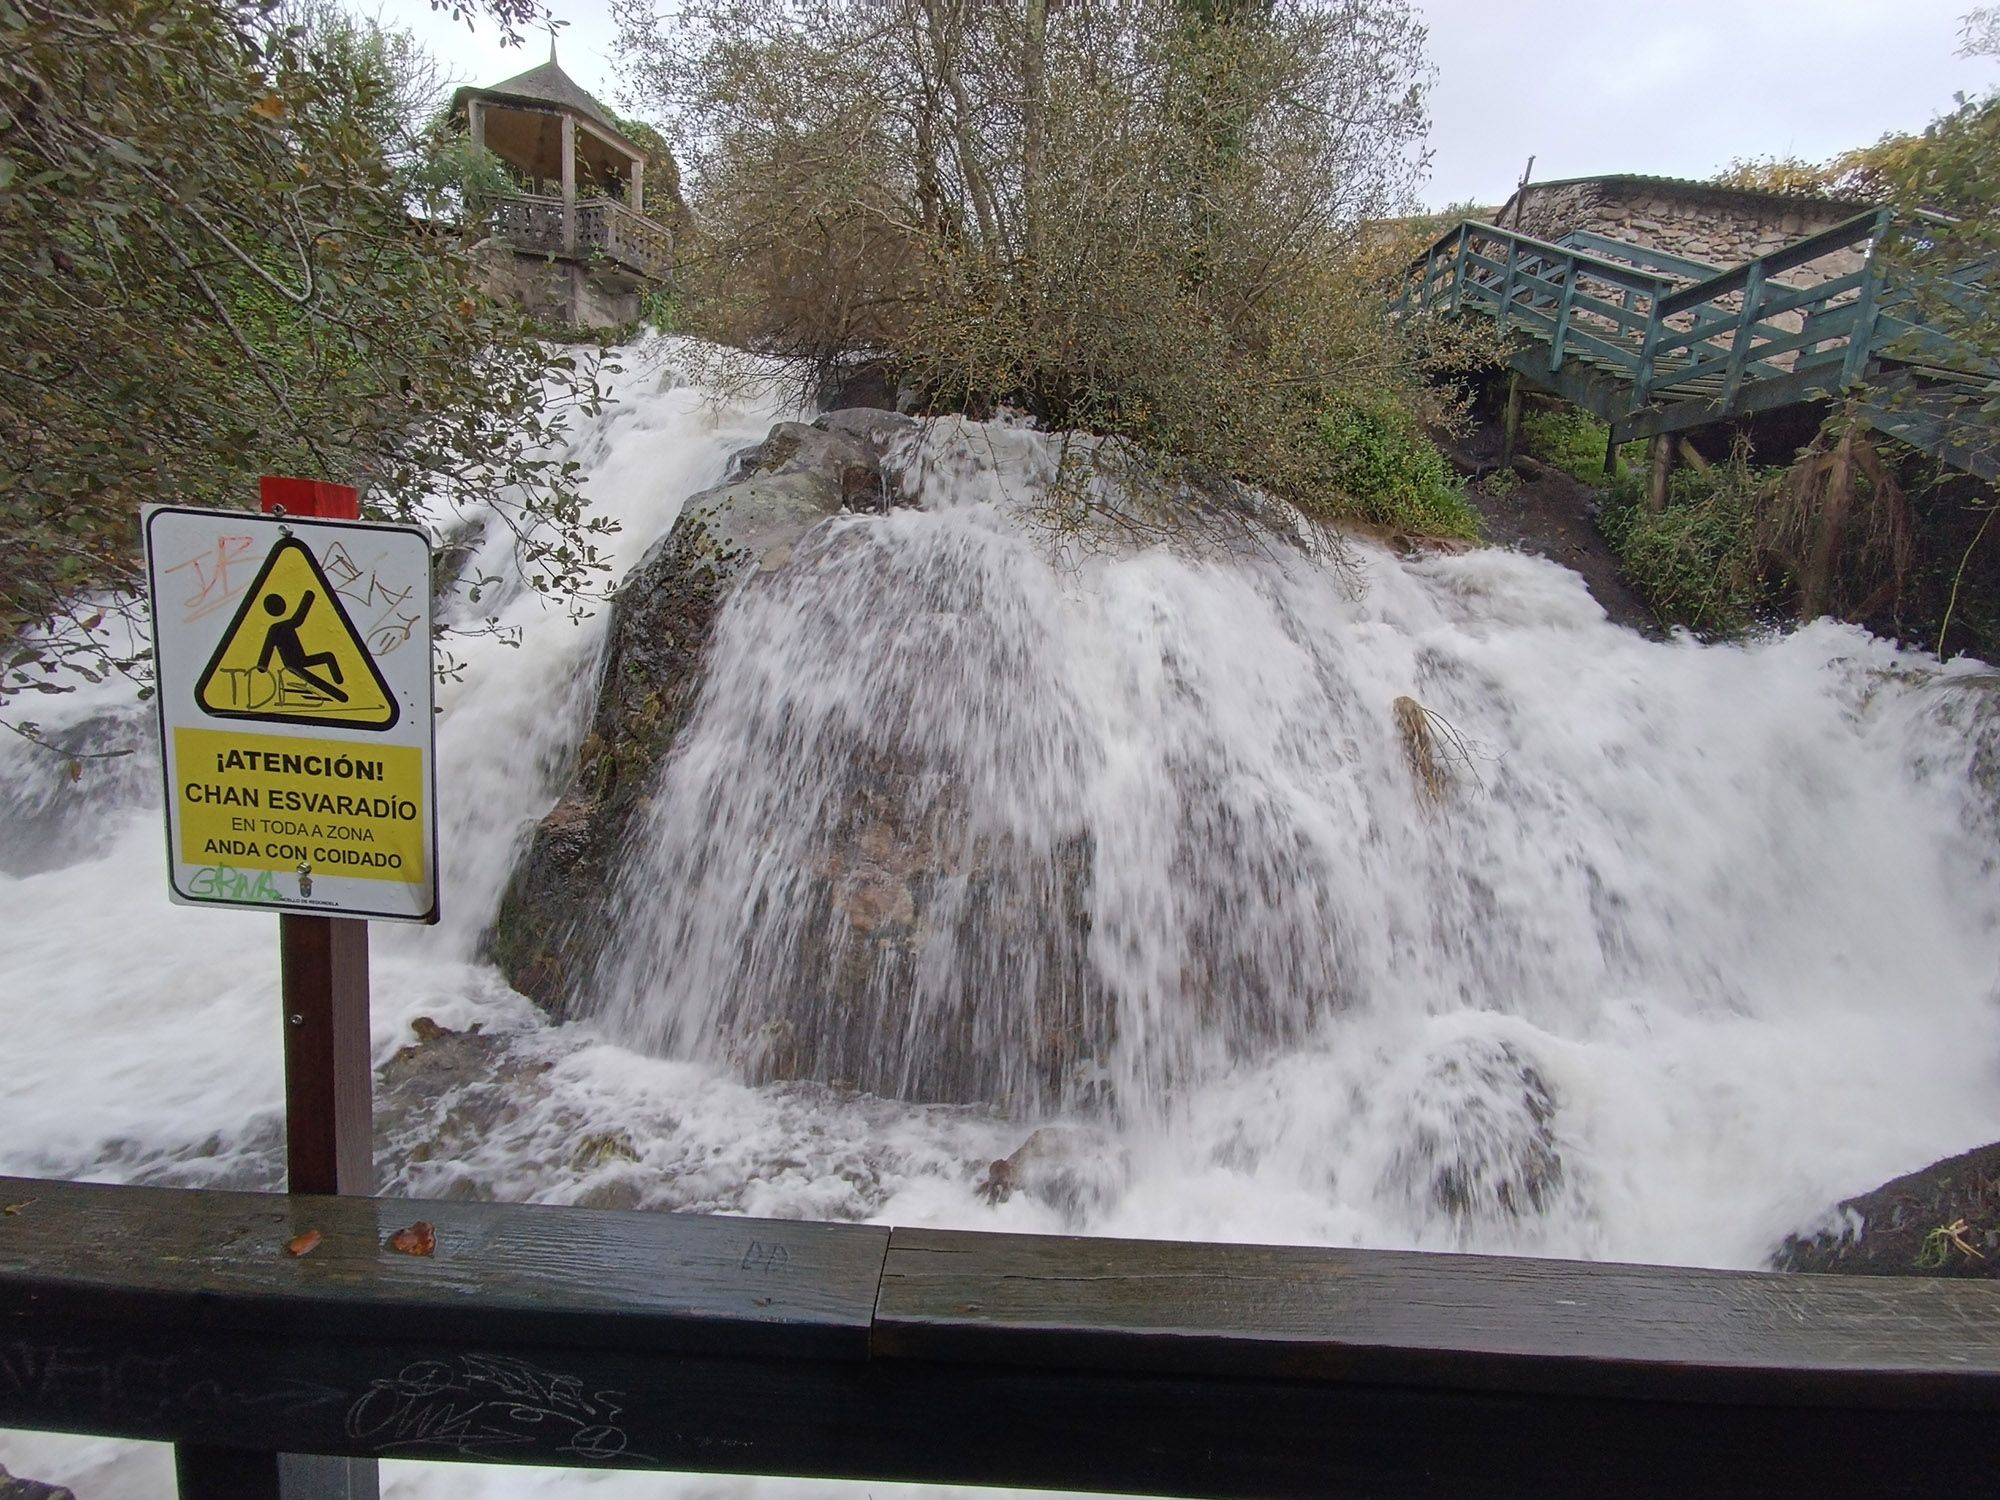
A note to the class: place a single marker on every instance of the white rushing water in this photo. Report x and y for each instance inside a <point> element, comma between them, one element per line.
<point>1694,941</point>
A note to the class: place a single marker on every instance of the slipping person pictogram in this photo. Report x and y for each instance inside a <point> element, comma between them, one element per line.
<point>282,641</point>
<point>292,656</point>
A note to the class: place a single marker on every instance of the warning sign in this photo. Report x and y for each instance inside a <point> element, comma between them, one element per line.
<point>266,623</point>
<point>291,804</point>
<point>291,655</point>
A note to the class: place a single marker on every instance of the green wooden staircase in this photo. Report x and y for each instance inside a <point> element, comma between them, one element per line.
<point>1653,343</point>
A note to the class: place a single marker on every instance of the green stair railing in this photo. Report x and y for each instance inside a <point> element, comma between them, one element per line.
<point>1652,342</point>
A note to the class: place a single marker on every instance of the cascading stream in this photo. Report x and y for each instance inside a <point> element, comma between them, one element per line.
<point>1116,863</point>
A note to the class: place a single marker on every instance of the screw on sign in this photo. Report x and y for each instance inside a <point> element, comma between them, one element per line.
<point>292,658</point>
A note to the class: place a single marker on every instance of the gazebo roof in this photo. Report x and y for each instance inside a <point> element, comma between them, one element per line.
<point>548,85</point>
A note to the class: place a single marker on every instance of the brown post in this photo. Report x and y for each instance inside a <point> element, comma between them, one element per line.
<point>1510,428</point>
<point>329,1102</point>
<point>329,1114</point>
<point>1663,464</point>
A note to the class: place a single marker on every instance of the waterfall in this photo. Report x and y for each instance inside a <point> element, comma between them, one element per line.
<point>1128,866</point>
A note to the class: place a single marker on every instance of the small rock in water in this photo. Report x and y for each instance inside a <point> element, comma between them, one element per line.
<point>1070,1169</point>
<point>428,1030</point>
<point>595,1150</point>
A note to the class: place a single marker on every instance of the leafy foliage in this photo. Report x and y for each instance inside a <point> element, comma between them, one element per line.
<point>1567,437</point>
<point>1382,468</point>
<point>212,272</point>
<point>1695,559</point>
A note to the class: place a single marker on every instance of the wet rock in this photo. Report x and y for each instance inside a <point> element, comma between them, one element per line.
<point>59,792</point>
<point>1943,1220</point>
<point>896,869</point>
<point>896,876</point>
<point>881,430</point>
<point>1479,1140</point>
<point>551,928</point>
<point>595,1151</point>
<point>29,1489</point>
<point>615,1192</point>
<point>438,1098</point>
<point>1074,1171</point>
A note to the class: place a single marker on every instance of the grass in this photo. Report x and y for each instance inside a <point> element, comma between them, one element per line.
<point>1695,560</point>
<point>1571,440</point>
<point>1380,467</point>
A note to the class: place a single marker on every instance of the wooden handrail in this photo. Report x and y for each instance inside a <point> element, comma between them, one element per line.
<point>1839,237</point>
<point>1613,271</point>
<point>662,1341</point>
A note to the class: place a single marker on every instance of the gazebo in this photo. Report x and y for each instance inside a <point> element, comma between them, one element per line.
<point>583,181</point>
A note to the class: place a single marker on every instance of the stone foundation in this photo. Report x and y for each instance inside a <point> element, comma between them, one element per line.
<point>554,289</point>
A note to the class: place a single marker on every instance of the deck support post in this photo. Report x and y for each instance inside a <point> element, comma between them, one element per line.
<point>1510,427</point>
<point>1663,464</point>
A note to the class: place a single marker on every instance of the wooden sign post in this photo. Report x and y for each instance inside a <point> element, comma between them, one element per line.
<point>329,1104</point>
<point>293,667</point>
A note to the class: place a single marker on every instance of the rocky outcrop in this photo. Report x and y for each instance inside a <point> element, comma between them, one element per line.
<point>28,1489</point>
<point>60,789</point>
<point>551,927</point>
<point>1479,1137</point>
<point>1943,1220</point>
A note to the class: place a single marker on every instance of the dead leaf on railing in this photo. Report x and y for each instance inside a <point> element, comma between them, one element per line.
<point>419,1239</point>
<point>305,1244</point>
<point>14,1208</point>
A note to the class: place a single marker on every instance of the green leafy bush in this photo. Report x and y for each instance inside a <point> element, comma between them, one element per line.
<point>1695,560</point>
<point>1572,440</point>
<point>1383,469</point>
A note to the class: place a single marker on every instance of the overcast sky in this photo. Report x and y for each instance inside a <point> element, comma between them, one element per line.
<point>1637,86</point>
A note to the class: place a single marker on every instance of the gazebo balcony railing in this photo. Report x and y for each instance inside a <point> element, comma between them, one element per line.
<point>604,228</point>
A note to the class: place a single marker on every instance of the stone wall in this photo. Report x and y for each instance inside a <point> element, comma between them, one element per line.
<point>556,290</point>
<point>1719,226</point>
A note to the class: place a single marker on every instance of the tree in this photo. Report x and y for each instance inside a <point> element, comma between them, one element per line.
<point>1137,217</point>
<point>212,272</point>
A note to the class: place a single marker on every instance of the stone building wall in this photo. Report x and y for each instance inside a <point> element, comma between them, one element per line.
<point>1721,226</point>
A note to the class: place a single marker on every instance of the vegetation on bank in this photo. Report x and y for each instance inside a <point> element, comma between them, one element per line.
<point>1144,221</point>
<point>1386,471</point>
<point>1693,560</point>
<point>221,260</point>
<point>1857,526</point>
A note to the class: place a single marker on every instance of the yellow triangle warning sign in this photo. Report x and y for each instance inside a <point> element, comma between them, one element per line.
<point>291,655</point>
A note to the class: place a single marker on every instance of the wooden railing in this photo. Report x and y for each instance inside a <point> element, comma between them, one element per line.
<point>612,230</point>
<point>605,228</point>
<point>660,1341</point>
<point>1664,342</point>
